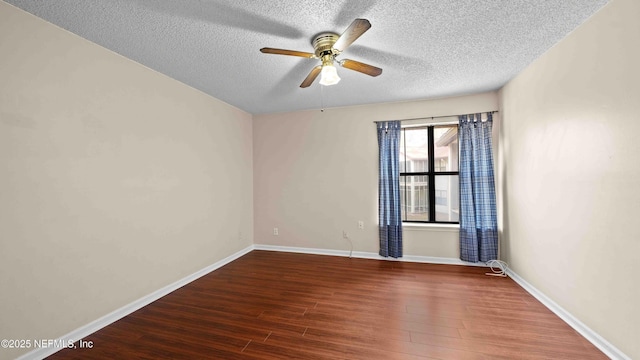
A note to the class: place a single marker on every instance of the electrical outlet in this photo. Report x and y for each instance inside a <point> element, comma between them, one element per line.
<point>275,231</point>
<point>361,225</point>
<point>345,235</point>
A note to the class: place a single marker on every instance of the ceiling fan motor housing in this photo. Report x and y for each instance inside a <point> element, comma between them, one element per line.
<point>323,44</point>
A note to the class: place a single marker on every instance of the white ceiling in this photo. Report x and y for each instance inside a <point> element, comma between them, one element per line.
<point>426,48</point>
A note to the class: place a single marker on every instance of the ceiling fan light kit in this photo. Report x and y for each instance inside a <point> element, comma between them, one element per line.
<point>329,75</point>
<point>327,46</point>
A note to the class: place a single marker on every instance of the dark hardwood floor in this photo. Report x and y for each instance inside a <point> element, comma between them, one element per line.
<point>271,305</point>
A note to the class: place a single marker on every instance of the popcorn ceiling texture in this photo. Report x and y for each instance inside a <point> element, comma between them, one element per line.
<point>426,48</point>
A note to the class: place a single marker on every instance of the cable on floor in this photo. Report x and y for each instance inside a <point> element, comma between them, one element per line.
<point>498,268</point>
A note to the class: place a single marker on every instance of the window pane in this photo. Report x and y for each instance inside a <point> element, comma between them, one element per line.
<point>447,198</point>
<point>414,191</point>
<point>445,139</point>
<point>403,167</point>
<point>403,203</point>
<point>414,150</point>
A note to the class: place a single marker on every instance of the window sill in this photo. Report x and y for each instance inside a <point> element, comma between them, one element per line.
<point>431,227</point>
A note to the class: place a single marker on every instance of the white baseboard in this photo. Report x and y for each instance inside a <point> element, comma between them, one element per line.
<point>367,255</point>
<point>598,341</point>
<point>112,317</point>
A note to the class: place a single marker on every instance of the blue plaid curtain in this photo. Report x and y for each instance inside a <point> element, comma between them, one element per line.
<point>478,215</point>
<point>389,207</point>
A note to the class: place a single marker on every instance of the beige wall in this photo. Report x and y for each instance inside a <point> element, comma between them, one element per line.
<point>570,174</point>
<point>115,181</point>
<point>315,175</point>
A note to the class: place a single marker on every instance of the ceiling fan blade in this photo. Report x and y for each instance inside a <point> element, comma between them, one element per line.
<point>361,67</point>
<point>354,31</point>
<point>311,77</point>
<point>287,52</point>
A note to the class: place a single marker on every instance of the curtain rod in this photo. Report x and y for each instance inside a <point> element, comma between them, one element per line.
<point>436,117</point>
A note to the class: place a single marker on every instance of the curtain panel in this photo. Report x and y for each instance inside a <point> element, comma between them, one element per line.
<point>389,206</point>
<point>478,214</point>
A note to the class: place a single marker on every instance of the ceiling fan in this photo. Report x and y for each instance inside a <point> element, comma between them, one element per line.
<point>328,46</point>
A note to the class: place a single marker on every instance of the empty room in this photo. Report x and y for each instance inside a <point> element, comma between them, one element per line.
<point>217,179</point>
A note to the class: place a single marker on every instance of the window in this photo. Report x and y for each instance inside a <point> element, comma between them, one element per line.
<point>429,187</point>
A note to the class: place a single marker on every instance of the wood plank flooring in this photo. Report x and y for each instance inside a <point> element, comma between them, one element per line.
<point>271,305</point>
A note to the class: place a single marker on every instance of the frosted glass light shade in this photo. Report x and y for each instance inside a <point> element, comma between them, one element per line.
<point>329,75</point>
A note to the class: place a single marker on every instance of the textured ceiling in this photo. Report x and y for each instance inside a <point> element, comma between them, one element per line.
<point>427,48</point>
